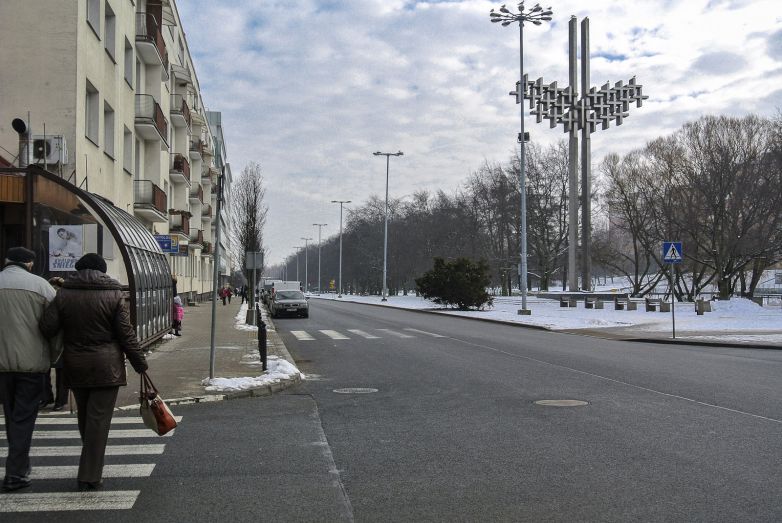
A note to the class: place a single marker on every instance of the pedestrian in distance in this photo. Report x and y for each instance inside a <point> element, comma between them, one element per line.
<point>60,395</point>
<point>91,312</point>
<point>243,293</point>
<point>179,315</point>
<point>25,358</point>
<point>229,292</point>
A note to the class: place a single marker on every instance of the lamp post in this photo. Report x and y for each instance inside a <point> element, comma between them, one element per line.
<point>385,237</point>
<point>319,226</point>
<point>341,203</point>
<point>306,263</point>
<point>536,15</point>
<point>298,248</point>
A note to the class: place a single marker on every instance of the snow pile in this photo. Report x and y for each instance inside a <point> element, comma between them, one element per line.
<point>279,369</point>
<point>169,336</point>
<point>241,318</point>
<point>736,306</point>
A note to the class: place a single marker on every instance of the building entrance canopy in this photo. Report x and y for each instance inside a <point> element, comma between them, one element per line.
<point>61,222</point>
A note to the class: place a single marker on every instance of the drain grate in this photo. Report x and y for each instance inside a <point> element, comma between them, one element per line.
<point>561,403</point>
<point>355,390</point>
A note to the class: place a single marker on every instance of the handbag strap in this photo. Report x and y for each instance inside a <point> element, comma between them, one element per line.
<point>146,383</point>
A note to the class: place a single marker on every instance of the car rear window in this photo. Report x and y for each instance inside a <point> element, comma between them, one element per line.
<point>290,295</point>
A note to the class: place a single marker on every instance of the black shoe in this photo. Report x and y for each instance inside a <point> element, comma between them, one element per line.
<point>16,483</point>
<point>44,403</point>
<point>177,334</point>
<point>86,486</point>
<point>58,408</point>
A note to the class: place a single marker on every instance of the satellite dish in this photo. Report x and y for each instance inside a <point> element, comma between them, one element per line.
<point>19,125</point>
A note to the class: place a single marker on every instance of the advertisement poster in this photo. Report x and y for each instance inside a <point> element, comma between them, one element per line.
<point>66,246</point>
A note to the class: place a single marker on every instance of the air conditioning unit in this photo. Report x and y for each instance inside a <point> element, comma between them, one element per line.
<point>49,149</point>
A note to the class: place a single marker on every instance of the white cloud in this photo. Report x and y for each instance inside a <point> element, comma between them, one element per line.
<point>310,89</point>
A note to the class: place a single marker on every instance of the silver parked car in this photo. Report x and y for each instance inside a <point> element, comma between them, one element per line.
<point>289,302</point>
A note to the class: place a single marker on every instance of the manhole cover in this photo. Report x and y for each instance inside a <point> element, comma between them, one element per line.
<point>355,390</point>
<point>561,403</point>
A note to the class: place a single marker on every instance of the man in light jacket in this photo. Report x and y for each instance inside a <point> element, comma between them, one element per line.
<point>25,358</point>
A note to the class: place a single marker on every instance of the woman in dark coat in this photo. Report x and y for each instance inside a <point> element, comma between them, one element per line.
<point>97,336</point>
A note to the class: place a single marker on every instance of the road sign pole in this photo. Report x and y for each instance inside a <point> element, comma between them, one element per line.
<point>673,301</point>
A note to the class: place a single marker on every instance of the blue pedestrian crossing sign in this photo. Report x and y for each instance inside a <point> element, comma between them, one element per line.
<point>672,252</point>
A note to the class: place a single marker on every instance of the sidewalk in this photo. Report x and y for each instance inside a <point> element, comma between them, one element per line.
<point>178,366</point>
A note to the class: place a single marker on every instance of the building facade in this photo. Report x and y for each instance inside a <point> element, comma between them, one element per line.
<point>110,92</point>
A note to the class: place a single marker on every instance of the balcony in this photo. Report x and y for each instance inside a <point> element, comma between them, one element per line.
<point>196,194</point>
<point>209,176</point>
<point>196,238</point>
<point>206,148</point>
<point>182,75</point>
<point>207,249</point>
<point>180,112</point>
<point>150,45</point>
<point>180,170</point>
<point>149,201</point>
<point>196,147</point>
<point>151,123</point>
<point>206,213</point>
<point>179,223</point>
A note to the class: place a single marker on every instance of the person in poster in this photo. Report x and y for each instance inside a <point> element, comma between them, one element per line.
<point>65,246</point>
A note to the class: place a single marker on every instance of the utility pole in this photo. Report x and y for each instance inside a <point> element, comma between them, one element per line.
<point>306,263</point>
<point>385,237</point>
<point>341,203</point>
<point>319,226</point>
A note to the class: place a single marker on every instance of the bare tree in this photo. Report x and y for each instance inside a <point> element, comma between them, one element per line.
<point>249,212</point>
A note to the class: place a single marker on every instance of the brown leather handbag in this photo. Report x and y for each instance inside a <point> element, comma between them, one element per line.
<point>154,411</point>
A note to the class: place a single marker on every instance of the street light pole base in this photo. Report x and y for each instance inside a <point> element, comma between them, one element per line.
<point>384,299</point>
<point>524,312</point>
<point>339,295</point>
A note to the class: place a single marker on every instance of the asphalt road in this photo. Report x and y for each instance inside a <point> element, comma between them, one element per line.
<point>453,433</point>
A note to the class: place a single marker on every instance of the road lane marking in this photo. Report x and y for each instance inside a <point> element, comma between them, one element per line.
<point>395,333</point>
<point>139,470</point>
<point>119,420</point>
<point>334,335</point>
<point>74,434</point>
<point>620,382</point>
<point>302,335</point>
<point>364,334</point>
<point>66,501</point>
<point>432,334</point>
<point>75,450</point>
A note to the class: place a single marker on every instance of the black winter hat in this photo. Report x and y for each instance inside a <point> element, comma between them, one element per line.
<point>20,255</point>
<point>91,261</point>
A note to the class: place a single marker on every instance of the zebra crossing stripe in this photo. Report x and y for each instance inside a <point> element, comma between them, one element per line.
<point>75,450</point>
<point>139,470</point>
<point>334,335</point>
<point>74,434</point>
<point>67,501</point>
<point>432,334</point>
<point>120,420</point>
<point>302,335</point>
<point>395,333</point>
<point>364,334</point>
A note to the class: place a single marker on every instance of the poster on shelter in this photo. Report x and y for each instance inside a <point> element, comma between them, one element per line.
<point>66,246</point>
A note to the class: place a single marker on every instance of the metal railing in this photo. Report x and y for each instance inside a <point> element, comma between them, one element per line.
<point>206,211</point>
<point>179,105</point>
<point>197,192</point>
<point>180,164</point>
<point>147,193</point>
<point>148,30</point>
<point>149,111</point>
<point>179,221</point>
<point>197,145</point>
<point>197,236</point>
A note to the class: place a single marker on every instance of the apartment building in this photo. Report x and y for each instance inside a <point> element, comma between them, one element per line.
<point>227,254</point>
<point>115,109</point>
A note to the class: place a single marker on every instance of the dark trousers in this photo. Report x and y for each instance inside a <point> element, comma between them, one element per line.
<point>95,409</point>
<point>60,396</point>
<point>21,393</point>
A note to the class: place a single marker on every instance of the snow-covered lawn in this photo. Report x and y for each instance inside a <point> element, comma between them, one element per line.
<point>734,320</point>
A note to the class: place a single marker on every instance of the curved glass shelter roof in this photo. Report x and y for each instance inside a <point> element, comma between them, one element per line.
<point>61,222</point>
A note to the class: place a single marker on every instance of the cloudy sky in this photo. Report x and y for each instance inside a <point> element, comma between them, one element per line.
<point>309,89</point>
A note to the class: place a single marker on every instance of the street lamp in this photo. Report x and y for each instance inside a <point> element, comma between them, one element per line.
<point>319,226</point>
<point>298,248</point>
<point>385,237</point>
<point>306,263</point>
<point>340,202</point>
<point>536,15</point>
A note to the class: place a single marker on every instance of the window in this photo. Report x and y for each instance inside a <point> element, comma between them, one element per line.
<point>127,150</point>
<point>93,16</point>
<point>110,27</point>
<point>108,130</point>
<point>91,116</point>
<point>128,63</point>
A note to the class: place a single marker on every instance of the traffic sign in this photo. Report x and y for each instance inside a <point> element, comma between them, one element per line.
<point>672,252</point>
<point>164,242</point>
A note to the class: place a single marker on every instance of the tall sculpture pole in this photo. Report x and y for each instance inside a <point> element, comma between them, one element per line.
<point>586,167</point>
<point>573,163</point>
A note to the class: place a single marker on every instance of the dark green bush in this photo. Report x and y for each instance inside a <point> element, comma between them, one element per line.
<point>461,282</point>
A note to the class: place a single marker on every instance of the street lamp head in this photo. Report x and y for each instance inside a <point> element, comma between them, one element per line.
<point>378,153</point>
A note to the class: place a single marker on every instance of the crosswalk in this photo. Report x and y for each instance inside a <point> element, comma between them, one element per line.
<point>375,334</point>
<point>55,462</point>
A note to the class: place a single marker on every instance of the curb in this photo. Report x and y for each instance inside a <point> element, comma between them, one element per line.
<point>736,345</point>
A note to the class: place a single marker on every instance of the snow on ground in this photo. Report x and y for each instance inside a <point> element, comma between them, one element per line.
<point>241,317</point>
<point>278,369</point>
<point>738,317</point>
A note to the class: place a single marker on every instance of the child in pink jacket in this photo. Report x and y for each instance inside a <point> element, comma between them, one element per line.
<point>179,314</point>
